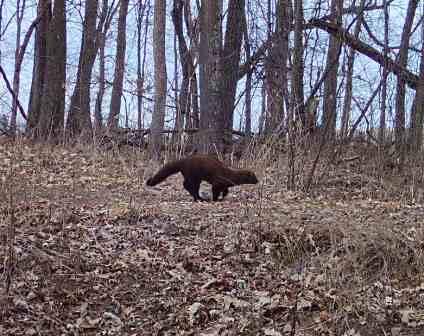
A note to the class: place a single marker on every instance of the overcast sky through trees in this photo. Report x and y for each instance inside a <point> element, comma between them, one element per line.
<point>366,76</point>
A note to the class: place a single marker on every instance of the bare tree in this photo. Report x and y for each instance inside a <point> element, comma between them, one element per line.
<point>1,23</point>
<point>330,82</point>
<point>248,86</point>
<point>276,66</point>
<point>347,101</point>
<point>19,57</point>
<point>192,118</point>
<point>158,117</point>
<point>106,16</point>
<point>230,65</point>
<point>382,126</point>
<point>118,78</point>
<point>52,104</point>
<point>143,11</point>
<point>210,136</point>
<point>79,118</point>
<point>393,66</point>
<point>417,115</point>
<point>400,88</point>
<point>20,9</point>
<point>183,105</point>
<point>298,65</point>
<point>40,63</point>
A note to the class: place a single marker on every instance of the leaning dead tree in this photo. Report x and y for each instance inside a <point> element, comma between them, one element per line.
<point>409,77</point>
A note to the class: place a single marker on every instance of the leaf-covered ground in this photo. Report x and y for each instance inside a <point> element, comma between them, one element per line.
<point>95,252</point>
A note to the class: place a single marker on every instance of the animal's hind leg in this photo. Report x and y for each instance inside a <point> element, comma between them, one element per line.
<point>218,190</point>
<point>193,188</point>
<point>215,192</point>
<point>224,192</point>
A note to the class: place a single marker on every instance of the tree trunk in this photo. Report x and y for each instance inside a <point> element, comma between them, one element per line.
<point>267,116</point>
<point>143,10</point>
<point>186,63</point>
<point>230,66</point>
<point>193,118</point>
<point>417,115</point>
<point>52,103</point>
<point>262,116</point>
<point>400,87</point>
<point>118,78</point>
<point>98,117</point>
<point>298,67</point>
<point>330,83</point>
<point>107,14</point>
<point>79,118</point>
<point>210,136</point>
<point>382,126</point>
<point>347,101</point>
<point>277,67</point>
<point>214,74</point>
<point>1,22</point>
<point>39,67</point>
<point>205,118</point>
<point>158,117</point>
<point>20,8</point>
<point>248,86</point>
<point>179,116</point>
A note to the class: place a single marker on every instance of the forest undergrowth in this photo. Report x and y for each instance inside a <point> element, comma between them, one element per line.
<point>88,249</point>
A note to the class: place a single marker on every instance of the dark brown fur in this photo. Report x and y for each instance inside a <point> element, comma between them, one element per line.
<point>198,168</point>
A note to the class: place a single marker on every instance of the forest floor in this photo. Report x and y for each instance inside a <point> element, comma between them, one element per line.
<point>95,252</point>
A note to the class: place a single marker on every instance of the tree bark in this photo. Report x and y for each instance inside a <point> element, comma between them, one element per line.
<point>298,105</point>
<point>50,125</point>
<point>277,71</point>
<point>417,115</point>
<point>118,78</point>
<point>248,86</point>
<point>347,101</point>
<point>143,10</point>
<point>106,17</point>
<point>158,117</point>
<point>330,83</point>
<point>186,60</point>
<point>79,118</point>
<point>192,119</point>
<point>19,57</point>
<point>382,126</point>
<point>230,65</point>
<point>210,136</point>
<point>44,11</point>
<point>204,118</point>
<point>20,8</point>
<point>1,22</point>
<point>400,87</point>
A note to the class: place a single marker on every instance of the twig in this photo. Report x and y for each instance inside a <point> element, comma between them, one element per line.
<point>15,97</point>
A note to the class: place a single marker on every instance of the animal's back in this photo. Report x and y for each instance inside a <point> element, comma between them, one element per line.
<point>201,167</point>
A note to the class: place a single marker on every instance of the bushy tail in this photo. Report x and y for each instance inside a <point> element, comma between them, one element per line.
<point>167,170</point>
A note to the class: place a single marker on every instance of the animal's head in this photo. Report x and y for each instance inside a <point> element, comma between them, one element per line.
<point>250,177</point>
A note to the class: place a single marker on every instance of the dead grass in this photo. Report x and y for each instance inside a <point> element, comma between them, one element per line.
<point>99,253</point>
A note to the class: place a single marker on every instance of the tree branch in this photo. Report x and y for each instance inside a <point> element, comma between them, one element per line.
<point>15,98</point>
<point>260,52</point>
<point>410,78</point>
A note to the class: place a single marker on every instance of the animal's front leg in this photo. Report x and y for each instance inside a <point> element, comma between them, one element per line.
<point>218,190</point>
<point>193,188</point>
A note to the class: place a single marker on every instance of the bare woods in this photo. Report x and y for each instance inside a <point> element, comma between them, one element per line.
<point>278,68</point>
